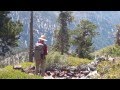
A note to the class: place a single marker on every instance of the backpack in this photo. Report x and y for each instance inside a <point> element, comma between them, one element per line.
<point>38,51</point>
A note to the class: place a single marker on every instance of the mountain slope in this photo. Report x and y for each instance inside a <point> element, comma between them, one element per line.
<point>45,22</point>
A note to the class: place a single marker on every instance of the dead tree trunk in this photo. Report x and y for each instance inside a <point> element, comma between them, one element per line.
<point>31,39</point>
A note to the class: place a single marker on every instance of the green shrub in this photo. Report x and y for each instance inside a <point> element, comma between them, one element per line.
<point>56,59</point>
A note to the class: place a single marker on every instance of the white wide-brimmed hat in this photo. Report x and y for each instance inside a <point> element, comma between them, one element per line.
<point>43,37</point>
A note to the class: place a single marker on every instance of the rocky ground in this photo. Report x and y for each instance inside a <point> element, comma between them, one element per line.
<point>81,72</point>
<point>85,71</point>
<point>69,72</point>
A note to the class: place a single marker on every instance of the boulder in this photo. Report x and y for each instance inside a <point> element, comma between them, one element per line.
<point>82,67</point>
<point>32,68</point>
<point>61,74</point>
<point>31,74</point>
<point>77,75</point>
<point>57,73</point>
<point>48,73</point>
<point>73,68</point>
<point>93,74</point>
<point>111,59</point>
<point>85,72</point>
<point>92,68</point>
<point>69,74</point>
<point>29,70</point>
<point>65,75</point>
<point>19,67</point>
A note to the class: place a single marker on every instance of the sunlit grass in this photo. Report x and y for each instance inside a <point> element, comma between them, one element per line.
<point>9,73</point>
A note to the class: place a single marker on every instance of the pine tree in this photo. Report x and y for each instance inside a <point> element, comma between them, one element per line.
<point>9,33</point>
<point>62,36</point>
<point>82,38</point>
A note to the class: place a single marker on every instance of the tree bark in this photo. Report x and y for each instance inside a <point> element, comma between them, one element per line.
<point>31,38</point>
<point>118,37</point>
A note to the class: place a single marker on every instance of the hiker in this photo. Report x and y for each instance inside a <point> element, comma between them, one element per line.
<point>39,55</point>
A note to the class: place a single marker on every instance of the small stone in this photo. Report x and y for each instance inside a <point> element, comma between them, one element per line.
<point>48,77</point>
<point>83,77</point>
<point>65,75</point>
<point>17,67</point>
<point>31,74</point>
<point>68,77</point>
